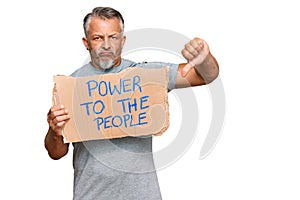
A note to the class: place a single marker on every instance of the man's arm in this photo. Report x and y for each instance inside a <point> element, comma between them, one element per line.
<point>202,67</point>
<point>57,117</point>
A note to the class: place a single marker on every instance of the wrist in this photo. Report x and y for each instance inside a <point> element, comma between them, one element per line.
<point>55,135</point>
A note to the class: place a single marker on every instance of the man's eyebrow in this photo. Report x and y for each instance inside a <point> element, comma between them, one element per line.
<point>116,33</point>
<point>111,34</point>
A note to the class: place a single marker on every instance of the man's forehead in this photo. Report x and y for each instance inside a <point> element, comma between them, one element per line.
<point>103,20</point>
<point>108,26</point>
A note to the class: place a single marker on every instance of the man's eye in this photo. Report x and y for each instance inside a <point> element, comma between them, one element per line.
<point>114,37</point>
<point>97,38</point>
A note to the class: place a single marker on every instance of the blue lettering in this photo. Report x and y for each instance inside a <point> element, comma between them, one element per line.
<point>115,88</point>
<point>90,88</point>
<point>126,118</point>
<point>105,88</point>
<point>136,81</point>
<point>101,108</point>
<point>86,107</point>
<point>117,121</point>
<point>123,104</point>
<point>99,121</point>
<point>141,117</point>
<point>114,123</point>
<point>132,123</point>
<point>106,120</point>
<point>125,86</point>
<point>143,100</point>
<point>134,105</point>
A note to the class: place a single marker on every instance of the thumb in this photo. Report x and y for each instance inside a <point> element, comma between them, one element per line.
<point>185,70</point>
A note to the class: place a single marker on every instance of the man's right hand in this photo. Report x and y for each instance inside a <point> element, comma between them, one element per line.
<point>57,118</point>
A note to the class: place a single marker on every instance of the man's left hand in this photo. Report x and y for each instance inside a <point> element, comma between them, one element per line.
<point>195,52</point>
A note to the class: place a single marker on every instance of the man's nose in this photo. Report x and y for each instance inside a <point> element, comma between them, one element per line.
<point>106,43</point>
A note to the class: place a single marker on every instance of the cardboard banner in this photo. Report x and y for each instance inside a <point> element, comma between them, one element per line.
<point>133,102</point>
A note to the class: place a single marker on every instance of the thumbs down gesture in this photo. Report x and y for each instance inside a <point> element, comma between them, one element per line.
<point>195,52</point>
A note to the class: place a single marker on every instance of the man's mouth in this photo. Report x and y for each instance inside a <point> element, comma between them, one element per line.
<point>105,54</point>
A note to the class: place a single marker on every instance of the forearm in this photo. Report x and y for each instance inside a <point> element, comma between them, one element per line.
<point>208,70</point>
<point>55,145</point>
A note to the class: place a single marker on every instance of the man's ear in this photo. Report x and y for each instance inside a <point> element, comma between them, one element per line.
<point>85,43</point>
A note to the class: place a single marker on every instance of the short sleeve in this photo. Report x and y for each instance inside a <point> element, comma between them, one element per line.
<point>173,68</point>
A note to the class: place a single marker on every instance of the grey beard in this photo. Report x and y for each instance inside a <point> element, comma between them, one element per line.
<point>106,64</point>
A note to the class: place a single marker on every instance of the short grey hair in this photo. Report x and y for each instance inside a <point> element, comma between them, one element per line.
<point>102,13</point>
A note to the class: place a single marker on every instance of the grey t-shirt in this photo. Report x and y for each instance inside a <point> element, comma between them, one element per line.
<point>117,169</point>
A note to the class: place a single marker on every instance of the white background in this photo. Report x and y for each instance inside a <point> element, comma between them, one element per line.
<point>256,44</point>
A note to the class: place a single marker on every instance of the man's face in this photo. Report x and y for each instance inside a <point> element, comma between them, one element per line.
<point>105,41</point>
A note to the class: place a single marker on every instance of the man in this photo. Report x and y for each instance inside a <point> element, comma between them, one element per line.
<point>120,168</point>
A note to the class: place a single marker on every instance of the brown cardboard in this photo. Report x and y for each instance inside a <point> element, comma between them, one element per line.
<point>133,102</point>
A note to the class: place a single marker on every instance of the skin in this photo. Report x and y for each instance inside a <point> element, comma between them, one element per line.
<point>104,36</point>
<point>105,41</point>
